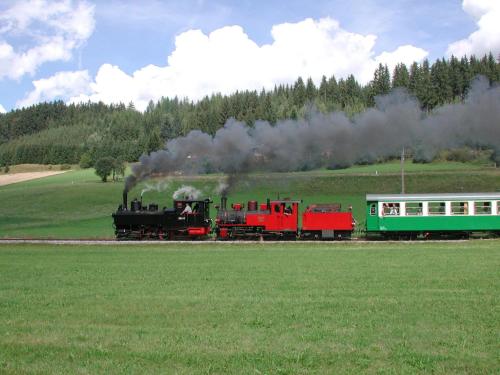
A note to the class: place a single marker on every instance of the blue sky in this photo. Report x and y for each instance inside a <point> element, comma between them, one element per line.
<point>141,50</point>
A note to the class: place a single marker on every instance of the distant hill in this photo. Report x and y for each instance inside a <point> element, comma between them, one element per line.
<point>56,133</point>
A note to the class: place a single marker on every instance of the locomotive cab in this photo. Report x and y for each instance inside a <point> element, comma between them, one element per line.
<point>196,220</point>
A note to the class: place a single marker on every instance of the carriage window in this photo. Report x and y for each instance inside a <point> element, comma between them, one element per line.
<point>390,209</point>
<point>459,208</point>
<point>498,207</point>
<point>413,208</point>
<point>437,208</point>
<point>482,208</point>
<point>277,208</point>
<point>373,210</point>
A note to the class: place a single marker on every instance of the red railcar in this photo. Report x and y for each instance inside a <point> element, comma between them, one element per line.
<point>279,219</point>
<point>326,221</point>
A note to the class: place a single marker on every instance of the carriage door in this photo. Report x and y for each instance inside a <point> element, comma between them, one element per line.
<point>372,215</point>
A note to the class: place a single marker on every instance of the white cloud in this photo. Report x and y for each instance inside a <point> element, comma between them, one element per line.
<point>486,39</point>
<point>55,28</point>
<point>227,60</point>
<point>2,109</point>
<point>62,85</point>
<point>407,54</point>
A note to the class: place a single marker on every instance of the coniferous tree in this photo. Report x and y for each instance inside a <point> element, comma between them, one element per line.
<point>323,90</point>
<point>401,76</point>
<point>299,93</point>
<point>225,111</point>
<point>266,109</point>
<point>441,85</point>
<point>310,90</point>
<point>425,92</point>
<point>415,78</point>
<point>475,66</point>
<point>492,68</point>
<point>333,93</point>
<point>456,78</point>
<point>381,80</point>
<point>154,142</point>
<point>380,85</point>
<point>466,74</point>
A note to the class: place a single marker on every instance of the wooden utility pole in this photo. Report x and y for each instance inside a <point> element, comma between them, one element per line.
<point>403,171</point>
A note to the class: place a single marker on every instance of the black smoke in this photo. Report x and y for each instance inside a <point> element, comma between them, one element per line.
<point>332,139</point>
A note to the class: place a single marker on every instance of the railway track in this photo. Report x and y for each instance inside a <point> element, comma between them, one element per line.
<point>106,242</point>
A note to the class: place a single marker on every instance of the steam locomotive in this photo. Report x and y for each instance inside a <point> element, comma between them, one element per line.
<point>144,222</point>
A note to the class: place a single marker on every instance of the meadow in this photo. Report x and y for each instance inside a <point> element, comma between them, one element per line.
<point>384,308</point>
<point>77,204</point>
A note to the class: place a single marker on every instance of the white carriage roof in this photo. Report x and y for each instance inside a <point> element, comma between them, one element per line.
<point>433,197</point>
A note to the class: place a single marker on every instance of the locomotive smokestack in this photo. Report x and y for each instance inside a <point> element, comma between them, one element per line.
<point>124,199</point>
<point>223,203</point>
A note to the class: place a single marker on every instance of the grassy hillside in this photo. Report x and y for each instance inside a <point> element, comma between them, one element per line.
<point>77,205</point>
<point>250,309</point>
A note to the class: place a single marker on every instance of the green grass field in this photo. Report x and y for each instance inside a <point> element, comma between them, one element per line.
<point>250,309</point>
<point>77,205</point>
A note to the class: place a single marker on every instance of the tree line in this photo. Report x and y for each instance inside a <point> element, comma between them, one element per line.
<point>59,133</point>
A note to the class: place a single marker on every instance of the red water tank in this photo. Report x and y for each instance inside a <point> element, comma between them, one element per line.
<point>252,205</point>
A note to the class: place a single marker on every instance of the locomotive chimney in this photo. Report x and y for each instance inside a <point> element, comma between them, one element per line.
<point>223,203</point>
<point>124,199</point>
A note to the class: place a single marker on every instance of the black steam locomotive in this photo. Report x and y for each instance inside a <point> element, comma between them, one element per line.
<point>147,221</point>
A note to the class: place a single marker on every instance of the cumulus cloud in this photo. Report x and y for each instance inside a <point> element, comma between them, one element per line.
<point>406,54</point>
<point>227,60</point>
<point>55,29</point>
<point>2,109</point>
<point>486,38</point>
<point>62,85</point>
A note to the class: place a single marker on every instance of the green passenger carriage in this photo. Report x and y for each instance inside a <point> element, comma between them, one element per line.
<point>402,216</point>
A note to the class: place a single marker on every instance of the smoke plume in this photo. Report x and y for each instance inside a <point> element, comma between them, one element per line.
<point>186,191</point>
<point>333,139</point>
<point>159,186</point>
<point>221,188</point>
